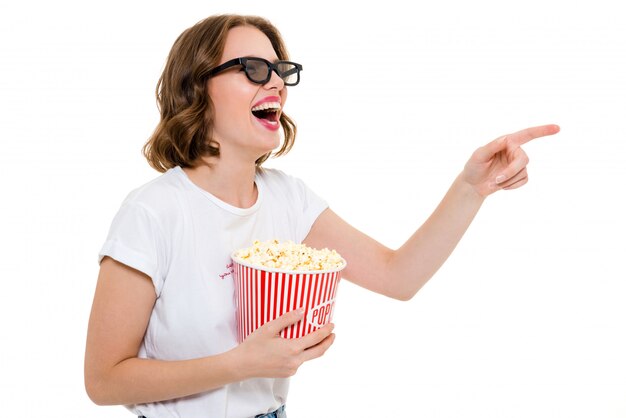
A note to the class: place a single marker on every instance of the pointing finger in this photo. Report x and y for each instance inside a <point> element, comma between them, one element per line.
<point>526,135</point>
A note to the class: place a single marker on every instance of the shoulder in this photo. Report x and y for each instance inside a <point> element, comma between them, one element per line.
<point>278,179</point>
<point>160,195</point>
<point>285,186</point>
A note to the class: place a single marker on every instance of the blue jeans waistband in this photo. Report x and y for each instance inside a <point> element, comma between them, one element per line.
<point>279,413</point>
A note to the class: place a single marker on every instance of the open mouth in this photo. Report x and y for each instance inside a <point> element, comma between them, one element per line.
<point>267,111</point>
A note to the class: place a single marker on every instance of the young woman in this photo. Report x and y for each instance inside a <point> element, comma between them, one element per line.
<point>162,335</point>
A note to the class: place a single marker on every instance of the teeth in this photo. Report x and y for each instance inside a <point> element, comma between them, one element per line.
<point>275,106</point>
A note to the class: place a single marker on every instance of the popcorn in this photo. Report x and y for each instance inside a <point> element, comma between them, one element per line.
<point>272,278</point>
<point>290,256</point>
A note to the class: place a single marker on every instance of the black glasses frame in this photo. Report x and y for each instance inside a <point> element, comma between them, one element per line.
<point>271,67</point>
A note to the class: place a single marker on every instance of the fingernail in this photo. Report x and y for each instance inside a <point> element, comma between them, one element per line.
<point>300,311</point>
<point>500,178</point>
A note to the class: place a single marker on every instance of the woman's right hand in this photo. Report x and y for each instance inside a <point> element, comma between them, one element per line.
<point>264,353</point>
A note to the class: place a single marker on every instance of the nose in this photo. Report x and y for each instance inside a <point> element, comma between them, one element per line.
<point>275,82</point>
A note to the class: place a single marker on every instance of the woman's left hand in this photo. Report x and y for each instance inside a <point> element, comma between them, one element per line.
<point>501,164</point>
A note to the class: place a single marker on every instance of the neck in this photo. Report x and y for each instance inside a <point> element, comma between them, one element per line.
<point>232,183</point>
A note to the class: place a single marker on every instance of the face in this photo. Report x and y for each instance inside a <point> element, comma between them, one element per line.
<point>239,132</point>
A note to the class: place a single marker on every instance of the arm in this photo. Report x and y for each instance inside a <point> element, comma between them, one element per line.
<point>121,309</point>
<point>400,273</point>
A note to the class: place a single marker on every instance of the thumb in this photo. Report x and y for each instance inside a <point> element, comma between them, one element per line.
<point>283,321</point>
<point>485,153</point>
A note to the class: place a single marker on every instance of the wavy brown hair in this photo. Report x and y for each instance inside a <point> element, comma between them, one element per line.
<point>184,133</point>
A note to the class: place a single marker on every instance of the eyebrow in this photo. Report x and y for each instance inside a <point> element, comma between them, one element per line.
<point>254,56</point>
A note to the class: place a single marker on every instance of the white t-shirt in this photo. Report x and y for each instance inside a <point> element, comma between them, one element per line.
<point>182,237</point>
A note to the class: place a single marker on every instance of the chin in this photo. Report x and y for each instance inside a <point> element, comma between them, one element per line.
<point>261,151</point>
<point>273,144</point>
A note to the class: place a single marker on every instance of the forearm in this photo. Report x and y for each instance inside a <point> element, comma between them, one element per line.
<point>138,380</point>
<point>413,264</point>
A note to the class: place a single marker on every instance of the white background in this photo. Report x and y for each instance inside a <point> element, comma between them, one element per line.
<point>528,316</point>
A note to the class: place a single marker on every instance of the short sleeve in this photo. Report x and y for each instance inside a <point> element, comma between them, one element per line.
<point>312,206</point>
<point>136,240</point>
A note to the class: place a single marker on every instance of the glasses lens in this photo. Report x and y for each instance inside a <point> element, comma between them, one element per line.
<point>257,70</point>
<point>289,73</point>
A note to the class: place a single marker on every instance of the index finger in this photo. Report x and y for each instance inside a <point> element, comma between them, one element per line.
<point>315,337</point>
<point>526,135</point>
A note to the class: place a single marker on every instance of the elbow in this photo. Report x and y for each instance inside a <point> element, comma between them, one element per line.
<point>403,283</point>
<point>404,296</point>
<point>95,388</point>
<point>410,286</point>
<point>94,393</point>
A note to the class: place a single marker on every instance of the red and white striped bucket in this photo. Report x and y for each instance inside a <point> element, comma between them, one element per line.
<point>264,294</point>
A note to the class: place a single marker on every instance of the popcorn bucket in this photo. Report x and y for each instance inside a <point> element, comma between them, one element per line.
<point>263,294</point>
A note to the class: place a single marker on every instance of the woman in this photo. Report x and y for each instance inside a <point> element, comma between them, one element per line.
<point>161,336</point>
